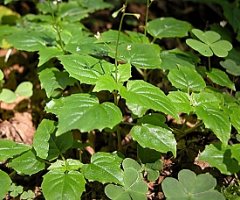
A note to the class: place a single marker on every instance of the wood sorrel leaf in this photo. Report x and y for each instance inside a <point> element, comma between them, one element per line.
<point>220,156</point>
<point>168,27</point>
<point>105,168</point>
<point>154,137</point>
<point>83,112</point>
<point>59,185</point>
<point>191,187</point>
<point>27,163</point>
<point>7,96</point>
<point>221,78</point>
<point>231,66</point>
<point>146,95</point>
<point>187,79</point>
<point>24,89</point>
<point>5,183</point>
<point>9,149</point>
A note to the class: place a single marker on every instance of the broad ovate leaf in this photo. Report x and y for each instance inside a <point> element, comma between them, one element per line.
<point>46,53</point>
<point>52,79</point>
<point>27,163</point>
<point>105,168</point>
<point>221,78</point>
<point>181,99</point>
<point>168,27</point>
<point>59,185</point>
<point>216,120</point>
<point>85,68</point>
<point>146,56</point>
<point>106,82</point>
<point>220,156</point>
<point>5,183</point>
<point>201,47</point>
<point>187,79</point>
<point>154,137</point>
<point>143,94</point>
<point>41,137</point>
<point>191,187</point>
<point>124,72</point>
<point>9,149</point>
<point>83,112</point>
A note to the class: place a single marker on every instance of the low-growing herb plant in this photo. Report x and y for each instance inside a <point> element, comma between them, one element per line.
<point>90,89</point>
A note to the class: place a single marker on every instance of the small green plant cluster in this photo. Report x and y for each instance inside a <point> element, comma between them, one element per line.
<point>90,86</point>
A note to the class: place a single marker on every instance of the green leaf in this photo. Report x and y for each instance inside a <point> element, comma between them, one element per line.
<point>147,155</point>
<point>173,59</point>
<point>220,156</point>
<point>235,118</point>
<point>124,72</point>
<point>58,185</point>
<point>154,137</point>
<point>7,96</point>
<point>46,53</point>
<point>210,43</point>
<point>146,95</point>
<point>106,82</point>
<point>181,99</point>
<point>134,187</point>
<point>221,78</point>
<point>130,163</point>
<point>9,149</point>
<point>59,144</point>
<point>216,120</point>
<point>42,136</point>
<point>168,28</point>
<point>27,163</point>
<point>24,89</point>
<point>145,56</point>
<point>66,165</point>
<point>153,169</point>
<point>85,68</point>
<point>1,75</point>
<point>104,167</point>
<point>191,187</point>
<point>52,79</point>
<point>187,79</point>
<point>77,112</point>
<point>202,48</point>
<point>231,67</point>
<point>5,183</point>
<point>28,195</point>
<point>153,118</point>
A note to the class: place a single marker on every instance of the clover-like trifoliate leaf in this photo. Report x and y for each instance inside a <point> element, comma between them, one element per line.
<point>186,78</point>
<point>134,187</point>
<point>217,120</point>
<point>221,78</point>
<point>143,94</point>
<point>7,96</point>
<point>83,112</point>
<point>9,149</point>
<point>221,157</point>
<point>59,185</point>
<point>168,27</point>
<point>5,183</point>
<point>154,137</point>
<point>105,168</point>
<point>209,43</point>
<point>27,163</point>
<point>85,68</point>
<point>190,186</point>
<point>231,66</point>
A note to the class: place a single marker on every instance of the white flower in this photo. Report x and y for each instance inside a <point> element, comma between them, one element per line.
<point>98,35</point>
<point>129,47</point>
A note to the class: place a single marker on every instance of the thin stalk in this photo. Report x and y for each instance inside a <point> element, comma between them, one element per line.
<point>146,17</point>
<point>56,27</point>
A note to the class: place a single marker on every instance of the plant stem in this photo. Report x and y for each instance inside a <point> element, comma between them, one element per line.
<point>146,17</point>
